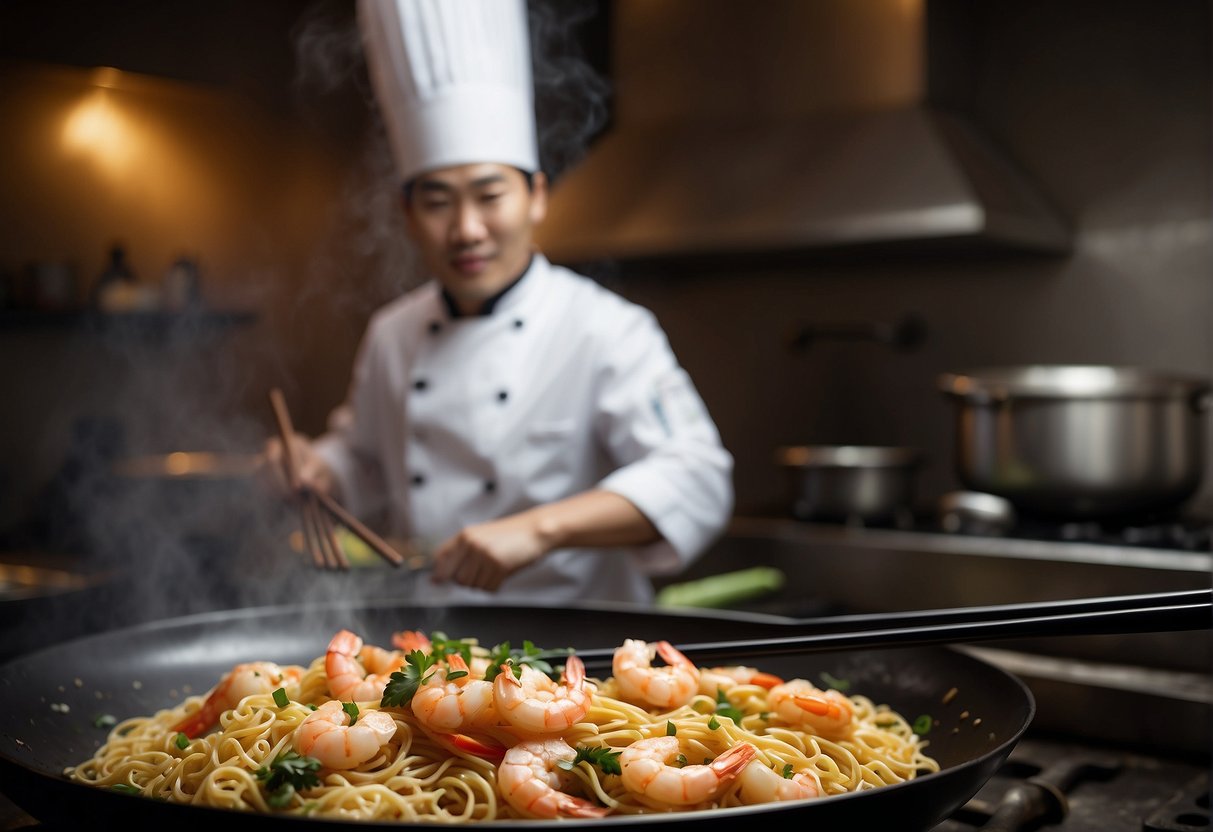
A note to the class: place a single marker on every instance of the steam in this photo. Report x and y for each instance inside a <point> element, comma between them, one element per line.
<point>571,98</point>
<point>174,394</point>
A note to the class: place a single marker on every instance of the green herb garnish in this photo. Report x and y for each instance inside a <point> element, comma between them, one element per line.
<point>842,685</point>
<point>713,723</point>
<point>922,725</point>
<point>280,698</point>
<point>603,757</point>
<point>442,646</point>
<point>456,674</point>
<point>126,788</point>
<point>671,730</point>
<point>725,708</point>
<point>287,774</point>
<point>404,683</point>
<point>351,709</point>
<point>787,771</point>
<point>181,741</point>
<point>105,721</point>
<point>681,759</point>
<point>528,655</point>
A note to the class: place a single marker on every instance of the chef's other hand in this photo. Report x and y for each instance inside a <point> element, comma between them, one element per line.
<point>313,472</point>
<point>484,555</point>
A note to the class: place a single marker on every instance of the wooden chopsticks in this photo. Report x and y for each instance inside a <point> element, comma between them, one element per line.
<point>317,509</point>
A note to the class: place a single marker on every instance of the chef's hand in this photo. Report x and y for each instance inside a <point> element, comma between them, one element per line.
<point>485,554</point>
<point>313,472</point>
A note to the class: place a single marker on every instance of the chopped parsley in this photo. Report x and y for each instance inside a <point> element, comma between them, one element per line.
<point>181,741</point>
<point>842,685</point>
<point>287,774</point>
<point>404,683</point>
<point>713,723</point>
<point>528,655</point>
<point>787,771</point>
<point>725,708</point>
<point>681,759</point>
<point>671,730</point>
<point>351,709</point>
<point>442,646</point>
<point>922,725</point>
<point>606,759</point>
<point>126,788</point>
<point>280,698</point>
<point>105,721</point>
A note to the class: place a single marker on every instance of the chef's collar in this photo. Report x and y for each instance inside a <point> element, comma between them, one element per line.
<point>490,303</point>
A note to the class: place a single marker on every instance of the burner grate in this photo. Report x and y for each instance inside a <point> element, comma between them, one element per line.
<point>1079,788</point>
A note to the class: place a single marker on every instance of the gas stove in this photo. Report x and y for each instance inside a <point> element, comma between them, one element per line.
<point>1053,784</point>
<point>982,516</point>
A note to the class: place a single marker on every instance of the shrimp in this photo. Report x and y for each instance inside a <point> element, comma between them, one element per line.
<point>449,705</point>
<point>713,679</point>
<point>357,673</point>
<point>531,783</point>
<point>536,705</point>
<point>760,784</point>
<point>410,640</point>
<point>642,684</point>
<point>647,771</point>
<point>241,681</point>
<point>326,735</point>
<point>800,703</point>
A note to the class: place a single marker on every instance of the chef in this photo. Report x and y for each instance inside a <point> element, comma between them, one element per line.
<point>529,426</point>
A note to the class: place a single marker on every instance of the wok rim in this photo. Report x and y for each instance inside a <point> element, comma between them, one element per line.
<point>190,816</point>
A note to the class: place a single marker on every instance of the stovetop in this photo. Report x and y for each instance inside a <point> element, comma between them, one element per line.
<point>1104,790</point>
<point>1167,531</point>
<point>1079,787</point>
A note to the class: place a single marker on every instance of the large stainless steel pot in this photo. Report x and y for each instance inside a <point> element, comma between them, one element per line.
<point>849,482</point>
<point>1080,441</point>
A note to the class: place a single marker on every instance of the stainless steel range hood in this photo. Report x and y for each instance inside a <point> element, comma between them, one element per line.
<point>808,130</point>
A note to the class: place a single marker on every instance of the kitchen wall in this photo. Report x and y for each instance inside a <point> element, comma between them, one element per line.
<point>209,141</point>
<point>1107,105</point>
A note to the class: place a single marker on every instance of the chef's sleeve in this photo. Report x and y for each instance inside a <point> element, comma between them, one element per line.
<point>672,465</point>
<point>350,446</point>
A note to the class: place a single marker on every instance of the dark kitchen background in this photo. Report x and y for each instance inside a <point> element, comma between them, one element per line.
<point>237,136</point>
<point>828,204</point>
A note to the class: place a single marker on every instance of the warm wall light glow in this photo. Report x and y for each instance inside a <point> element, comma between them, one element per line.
<point>98,128</point>
<point>107,76</point>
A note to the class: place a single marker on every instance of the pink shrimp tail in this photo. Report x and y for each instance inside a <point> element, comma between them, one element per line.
<point>455,662</point>
<point>196,723</point>
<point>410,640</point>
<point>729,764</point>
<point>576,807</point>
<point>671,654</point>
<point>819,705</point>
<point>574,672</point>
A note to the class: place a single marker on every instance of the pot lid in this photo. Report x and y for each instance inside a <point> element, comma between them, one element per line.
<point>1069,381</point>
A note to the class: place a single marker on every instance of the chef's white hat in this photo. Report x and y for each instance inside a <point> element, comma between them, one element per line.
<point>453,81</point>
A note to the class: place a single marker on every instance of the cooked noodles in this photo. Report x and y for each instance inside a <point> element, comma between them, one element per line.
<point>421,774</point>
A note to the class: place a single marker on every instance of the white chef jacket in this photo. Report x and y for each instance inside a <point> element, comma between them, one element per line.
<point>565,386</point>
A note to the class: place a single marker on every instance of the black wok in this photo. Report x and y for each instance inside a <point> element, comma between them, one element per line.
<point>146,668</point>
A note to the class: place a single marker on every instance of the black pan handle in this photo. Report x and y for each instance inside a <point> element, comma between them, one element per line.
<point>1160,612</point>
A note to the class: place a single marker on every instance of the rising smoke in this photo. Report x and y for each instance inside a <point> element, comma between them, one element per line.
<point>149,522</point>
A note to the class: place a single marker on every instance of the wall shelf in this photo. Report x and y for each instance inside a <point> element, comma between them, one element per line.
<point>155,323</point>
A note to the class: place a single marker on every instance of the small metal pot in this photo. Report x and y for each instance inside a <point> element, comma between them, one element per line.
<point>1078,441</point>
<point>849,482</point>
